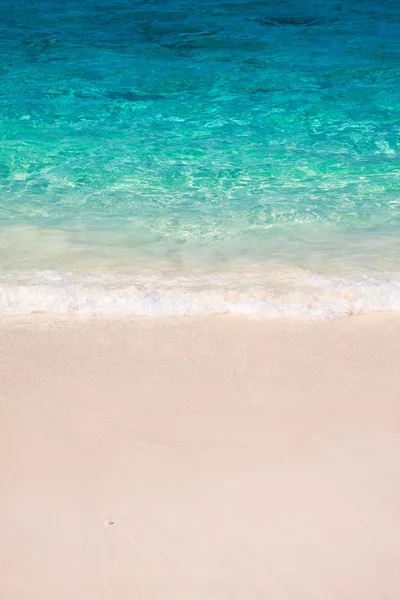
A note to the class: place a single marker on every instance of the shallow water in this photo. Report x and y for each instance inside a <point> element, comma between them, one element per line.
<point>200,157</point>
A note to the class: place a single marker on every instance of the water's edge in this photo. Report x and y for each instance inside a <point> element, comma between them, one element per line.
<point>307,296</point>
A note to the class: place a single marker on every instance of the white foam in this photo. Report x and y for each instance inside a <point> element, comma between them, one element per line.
<point>303,295</point>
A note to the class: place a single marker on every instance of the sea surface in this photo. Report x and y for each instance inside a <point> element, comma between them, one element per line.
<point>182,157</point>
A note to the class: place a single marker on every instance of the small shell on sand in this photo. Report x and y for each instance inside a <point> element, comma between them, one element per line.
<point>108,523</point>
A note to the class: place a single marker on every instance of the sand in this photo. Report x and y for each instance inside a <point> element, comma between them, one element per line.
<point>207,458</point>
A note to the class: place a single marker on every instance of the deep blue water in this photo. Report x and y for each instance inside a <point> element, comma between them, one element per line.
<point>181,157</point>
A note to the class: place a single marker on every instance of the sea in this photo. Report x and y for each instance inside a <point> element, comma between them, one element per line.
<point>188,157</point>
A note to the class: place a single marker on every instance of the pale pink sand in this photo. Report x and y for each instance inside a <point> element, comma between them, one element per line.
<point>237,459</point>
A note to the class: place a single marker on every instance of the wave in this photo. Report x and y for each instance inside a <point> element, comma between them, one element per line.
<point>303,295</point>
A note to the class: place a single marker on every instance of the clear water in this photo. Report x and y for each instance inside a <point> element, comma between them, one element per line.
<point>200,157</point>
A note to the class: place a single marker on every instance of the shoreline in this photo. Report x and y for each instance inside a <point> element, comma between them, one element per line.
<point>291,293</point>
<point>199,457</point>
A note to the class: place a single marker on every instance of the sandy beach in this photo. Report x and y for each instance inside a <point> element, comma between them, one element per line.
<point>194,459</point>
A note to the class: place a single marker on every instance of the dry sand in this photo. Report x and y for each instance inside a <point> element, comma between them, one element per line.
<point>219,458</point>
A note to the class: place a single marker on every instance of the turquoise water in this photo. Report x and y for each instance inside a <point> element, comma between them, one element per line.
<point>193,157</point>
